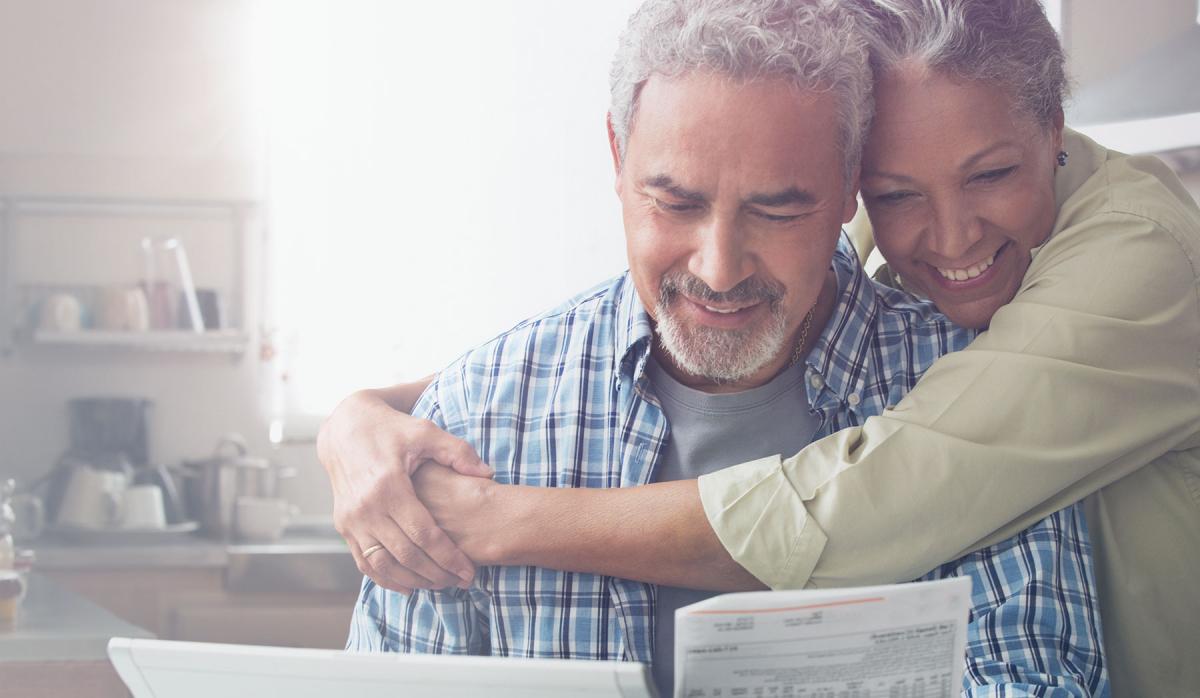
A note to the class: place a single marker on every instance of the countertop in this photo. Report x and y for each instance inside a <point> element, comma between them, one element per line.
<point>299,562</point>
<point>182,551</point>
<point>55,624</point>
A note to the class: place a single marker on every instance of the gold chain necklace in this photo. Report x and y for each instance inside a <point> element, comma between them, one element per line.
<point>798,354</point>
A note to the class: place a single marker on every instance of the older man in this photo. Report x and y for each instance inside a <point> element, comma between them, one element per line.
<point>735,131</point>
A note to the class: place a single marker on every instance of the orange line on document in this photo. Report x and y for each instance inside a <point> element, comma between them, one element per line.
<point>849,602</point>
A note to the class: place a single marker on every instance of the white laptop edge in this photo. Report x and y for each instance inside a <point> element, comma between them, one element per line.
<point>141,663</point>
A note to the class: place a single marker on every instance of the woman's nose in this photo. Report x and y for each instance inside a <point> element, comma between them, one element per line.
<point>953,231</point>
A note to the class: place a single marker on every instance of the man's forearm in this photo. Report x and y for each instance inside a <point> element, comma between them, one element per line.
<point>654,533</point>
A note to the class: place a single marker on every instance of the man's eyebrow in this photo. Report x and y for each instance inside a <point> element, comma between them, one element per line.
<point>787,197</point>
<point>668,185</point>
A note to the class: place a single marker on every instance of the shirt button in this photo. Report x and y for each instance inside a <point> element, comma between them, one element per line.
<point>853,399</point>
<point>817,381</point>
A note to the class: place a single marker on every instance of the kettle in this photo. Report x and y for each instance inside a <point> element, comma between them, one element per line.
<point>93,497</point>
<point>21,515</point>
<point>213,485</point>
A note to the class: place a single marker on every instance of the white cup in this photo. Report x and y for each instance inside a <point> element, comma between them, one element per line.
<point>93,498</point>
<point>124,308</point>
<point>142,508</point>
<point>61,312</point>
<point>262,519</point>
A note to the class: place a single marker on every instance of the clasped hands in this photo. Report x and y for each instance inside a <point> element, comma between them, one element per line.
<point>415,504</point>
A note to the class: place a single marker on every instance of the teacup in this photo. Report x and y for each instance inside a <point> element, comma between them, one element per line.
<point>61,312</point>
<point>142,508</point>
<point>124,308</point>
<point>263,519</point>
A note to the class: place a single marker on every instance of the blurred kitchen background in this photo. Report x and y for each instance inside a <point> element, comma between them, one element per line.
<point>218,217</point>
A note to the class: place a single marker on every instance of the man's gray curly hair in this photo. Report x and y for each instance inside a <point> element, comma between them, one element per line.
<point>813,43</point>
<point>1006,42</point>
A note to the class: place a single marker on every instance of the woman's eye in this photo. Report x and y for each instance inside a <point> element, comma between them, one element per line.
<point>893,197</point>
<point>994,175</point>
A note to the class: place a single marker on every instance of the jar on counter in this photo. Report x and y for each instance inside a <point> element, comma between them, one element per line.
<point>12,591</point>
<point>8,552</point>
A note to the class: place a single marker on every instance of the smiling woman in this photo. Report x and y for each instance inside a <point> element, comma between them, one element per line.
<point>960,189</point>
<point>418,153</point>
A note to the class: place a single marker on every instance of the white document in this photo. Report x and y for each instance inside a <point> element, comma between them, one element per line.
<point>897,641</point>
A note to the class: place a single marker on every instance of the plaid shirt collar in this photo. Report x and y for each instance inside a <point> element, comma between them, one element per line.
<point>633,335</point>
<point>850,332</point>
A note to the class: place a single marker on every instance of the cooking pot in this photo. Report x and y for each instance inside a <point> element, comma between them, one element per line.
<point>213,485</point>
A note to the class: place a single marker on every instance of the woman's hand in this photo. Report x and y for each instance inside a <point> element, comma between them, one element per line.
<point>479,515</point>
<point>370,451</point>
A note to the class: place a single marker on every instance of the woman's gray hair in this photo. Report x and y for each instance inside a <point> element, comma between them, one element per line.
<point>1006,42</point>
<point>813,43</point>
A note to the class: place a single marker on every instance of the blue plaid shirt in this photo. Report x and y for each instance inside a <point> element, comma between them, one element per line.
<point>562,400</point>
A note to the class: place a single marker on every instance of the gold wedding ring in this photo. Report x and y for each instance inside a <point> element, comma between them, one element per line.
<point>373,549</point>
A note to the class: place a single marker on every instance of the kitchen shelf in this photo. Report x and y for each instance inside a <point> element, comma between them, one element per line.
<point>214,342</point>
<point>16,328</point>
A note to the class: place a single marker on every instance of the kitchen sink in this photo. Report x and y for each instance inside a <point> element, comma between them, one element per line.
<point>294,563</point>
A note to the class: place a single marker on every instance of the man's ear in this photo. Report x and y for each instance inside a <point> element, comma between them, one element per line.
<point>850,207</point>
<point>614,150</point>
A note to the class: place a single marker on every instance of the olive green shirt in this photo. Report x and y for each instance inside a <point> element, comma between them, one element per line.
<point>1086,385</point>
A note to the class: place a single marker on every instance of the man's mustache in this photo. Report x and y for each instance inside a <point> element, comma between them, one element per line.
<point>751,290</point>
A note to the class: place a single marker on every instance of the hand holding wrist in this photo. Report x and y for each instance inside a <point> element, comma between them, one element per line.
<point>487,520</point>
<point>370,451</point>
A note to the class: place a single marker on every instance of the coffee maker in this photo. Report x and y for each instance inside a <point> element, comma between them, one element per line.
<point>107,434</point>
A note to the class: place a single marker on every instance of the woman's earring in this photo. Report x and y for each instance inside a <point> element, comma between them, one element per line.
<point>1062,158</point>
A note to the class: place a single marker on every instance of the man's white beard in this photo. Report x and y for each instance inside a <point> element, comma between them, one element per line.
<point>722,356</point>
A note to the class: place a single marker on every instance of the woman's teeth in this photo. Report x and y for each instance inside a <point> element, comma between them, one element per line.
<point>968,273</point>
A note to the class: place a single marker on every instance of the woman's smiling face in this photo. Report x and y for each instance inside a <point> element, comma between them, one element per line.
<point>959,186</point>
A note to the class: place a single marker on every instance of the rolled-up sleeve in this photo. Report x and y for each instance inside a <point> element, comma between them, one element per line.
<point>761,520</point>
<point>1092,371</point>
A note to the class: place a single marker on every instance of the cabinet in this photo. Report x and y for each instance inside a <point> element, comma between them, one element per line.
<point>78,245</point>
<point>193,604</point>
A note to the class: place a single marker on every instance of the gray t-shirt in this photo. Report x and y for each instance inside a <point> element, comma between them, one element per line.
<point>710,432</point>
